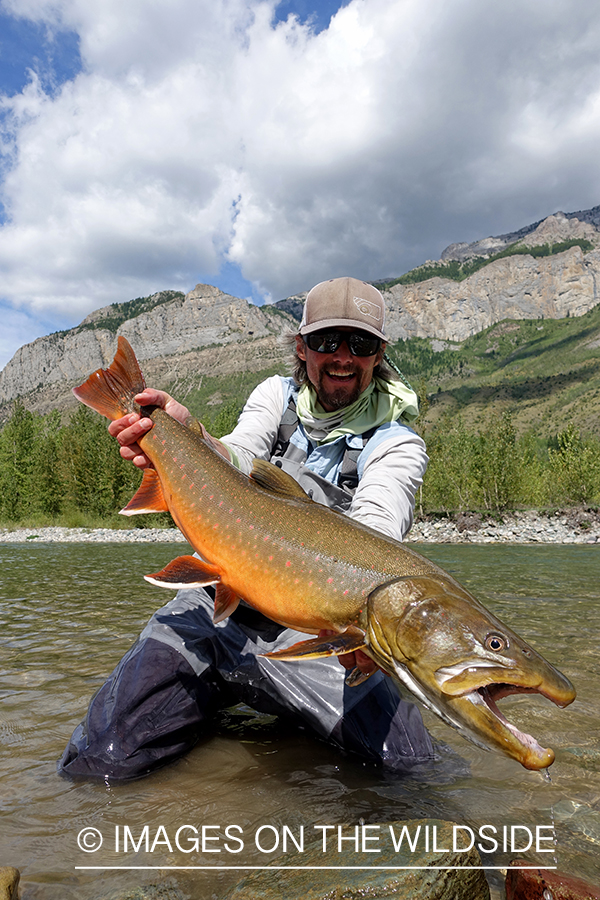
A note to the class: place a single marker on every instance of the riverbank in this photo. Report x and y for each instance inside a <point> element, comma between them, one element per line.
<point>573,526</point>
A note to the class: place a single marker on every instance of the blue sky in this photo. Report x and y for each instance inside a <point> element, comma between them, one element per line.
<point>263,146</point>
<point>54,53</point>
<point>26,45</point>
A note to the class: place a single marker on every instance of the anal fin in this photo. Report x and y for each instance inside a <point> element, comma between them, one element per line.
<point>314,648</point>
<point>148,498</point>
<point>226,602</point>
<point>185,572</point>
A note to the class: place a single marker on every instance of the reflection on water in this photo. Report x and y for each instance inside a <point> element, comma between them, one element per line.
<point>69,611</point>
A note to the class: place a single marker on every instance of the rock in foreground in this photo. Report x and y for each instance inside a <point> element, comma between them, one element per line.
<point>9,882</point>
<point>545,884</point>
<point>427,883</point>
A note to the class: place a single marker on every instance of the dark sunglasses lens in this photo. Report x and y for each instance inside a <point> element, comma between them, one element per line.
<point>359,343</point>
<point>363,344</point>
<point>324,341</point>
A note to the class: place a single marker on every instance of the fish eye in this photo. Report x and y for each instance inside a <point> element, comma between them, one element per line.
<point>495,642</point>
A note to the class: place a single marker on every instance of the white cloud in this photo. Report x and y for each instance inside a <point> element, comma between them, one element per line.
<point>199,133</point>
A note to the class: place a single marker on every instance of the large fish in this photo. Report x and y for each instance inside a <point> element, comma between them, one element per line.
<point>309,568</point>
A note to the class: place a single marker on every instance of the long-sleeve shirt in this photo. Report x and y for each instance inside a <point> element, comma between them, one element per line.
<point>390,467</point>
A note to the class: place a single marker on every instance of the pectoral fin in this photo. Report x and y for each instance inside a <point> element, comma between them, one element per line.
<point>149,497</point>
<point>346,642</point>
<point>185,572</point>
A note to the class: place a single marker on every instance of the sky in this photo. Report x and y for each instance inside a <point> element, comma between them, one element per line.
<point>264,146</point>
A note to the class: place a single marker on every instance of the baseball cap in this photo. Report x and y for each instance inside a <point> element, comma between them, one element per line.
<point>344,302</point>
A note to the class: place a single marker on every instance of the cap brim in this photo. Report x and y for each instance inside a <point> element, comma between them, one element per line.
<point>341,323</point>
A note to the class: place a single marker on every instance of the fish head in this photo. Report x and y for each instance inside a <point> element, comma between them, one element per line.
<point>436,639</point>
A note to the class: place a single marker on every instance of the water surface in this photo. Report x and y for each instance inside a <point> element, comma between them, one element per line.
<point>69,611</point>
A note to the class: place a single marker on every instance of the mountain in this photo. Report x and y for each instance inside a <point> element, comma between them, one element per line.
<point>170,332</point>
<point>547,270</point>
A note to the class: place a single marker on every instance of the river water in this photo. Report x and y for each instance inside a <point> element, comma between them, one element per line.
<point>69,611</point>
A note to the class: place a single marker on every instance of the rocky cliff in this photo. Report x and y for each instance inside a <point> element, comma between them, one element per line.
<point>204,317</point>
<point>170,325</point>
<point>584,224</point>
<point>516,287</point>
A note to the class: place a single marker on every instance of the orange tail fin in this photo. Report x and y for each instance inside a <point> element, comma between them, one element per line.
<point>111,391</point>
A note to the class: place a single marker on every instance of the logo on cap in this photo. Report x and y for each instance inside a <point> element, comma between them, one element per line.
<point>367,308</point>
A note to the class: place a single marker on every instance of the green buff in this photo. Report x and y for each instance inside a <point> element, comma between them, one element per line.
<point>383,401</point>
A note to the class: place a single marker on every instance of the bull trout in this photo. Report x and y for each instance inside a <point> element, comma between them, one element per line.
<point>307,567</point>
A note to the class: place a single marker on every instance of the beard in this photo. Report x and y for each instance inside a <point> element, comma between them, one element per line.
<point>334,398</point>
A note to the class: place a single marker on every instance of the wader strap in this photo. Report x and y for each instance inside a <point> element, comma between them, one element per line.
<point>287,426</point>
<point>348,477</point>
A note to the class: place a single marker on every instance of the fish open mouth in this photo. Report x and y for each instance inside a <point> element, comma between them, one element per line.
<point>471,696</point>
<point>490,694</point>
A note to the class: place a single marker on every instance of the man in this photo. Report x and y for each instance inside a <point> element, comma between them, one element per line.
<point>339,428</point>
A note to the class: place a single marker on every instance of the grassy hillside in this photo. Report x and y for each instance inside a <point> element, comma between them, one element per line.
<point>217,400</point>
<point>511,418</point>
<point>546,372</point>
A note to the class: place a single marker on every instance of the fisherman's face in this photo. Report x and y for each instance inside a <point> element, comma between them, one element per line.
<point>339,378</point>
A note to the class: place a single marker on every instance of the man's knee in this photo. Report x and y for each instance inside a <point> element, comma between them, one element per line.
<point>148,713</point>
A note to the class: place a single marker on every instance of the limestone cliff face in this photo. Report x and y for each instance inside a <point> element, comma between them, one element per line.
<point>516,287</point>
<point>205,316</point>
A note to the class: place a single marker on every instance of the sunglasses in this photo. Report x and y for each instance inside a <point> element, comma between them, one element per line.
<point>359,343</point>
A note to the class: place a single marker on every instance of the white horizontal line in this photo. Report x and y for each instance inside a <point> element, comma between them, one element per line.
<point>319,868</point>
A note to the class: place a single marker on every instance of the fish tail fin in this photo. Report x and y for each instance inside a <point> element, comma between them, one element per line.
<point>111,391</point>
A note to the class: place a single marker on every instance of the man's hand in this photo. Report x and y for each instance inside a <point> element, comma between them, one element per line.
<point>356,660</point>
<point>129,429</point>
<point>359,660</point>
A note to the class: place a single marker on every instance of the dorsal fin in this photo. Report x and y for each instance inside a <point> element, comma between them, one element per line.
<point>275,480</point>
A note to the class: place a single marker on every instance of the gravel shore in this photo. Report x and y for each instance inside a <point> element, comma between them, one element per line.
<point>574,526</point>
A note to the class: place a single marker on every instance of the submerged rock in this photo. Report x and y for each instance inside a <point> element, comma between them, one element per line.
<point>546,884</point>
<point>431,882</point>
<point>165,890</point>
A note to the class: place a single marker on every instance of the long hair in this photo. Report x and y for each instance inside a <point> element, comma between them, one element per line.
<point>297,366</point>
